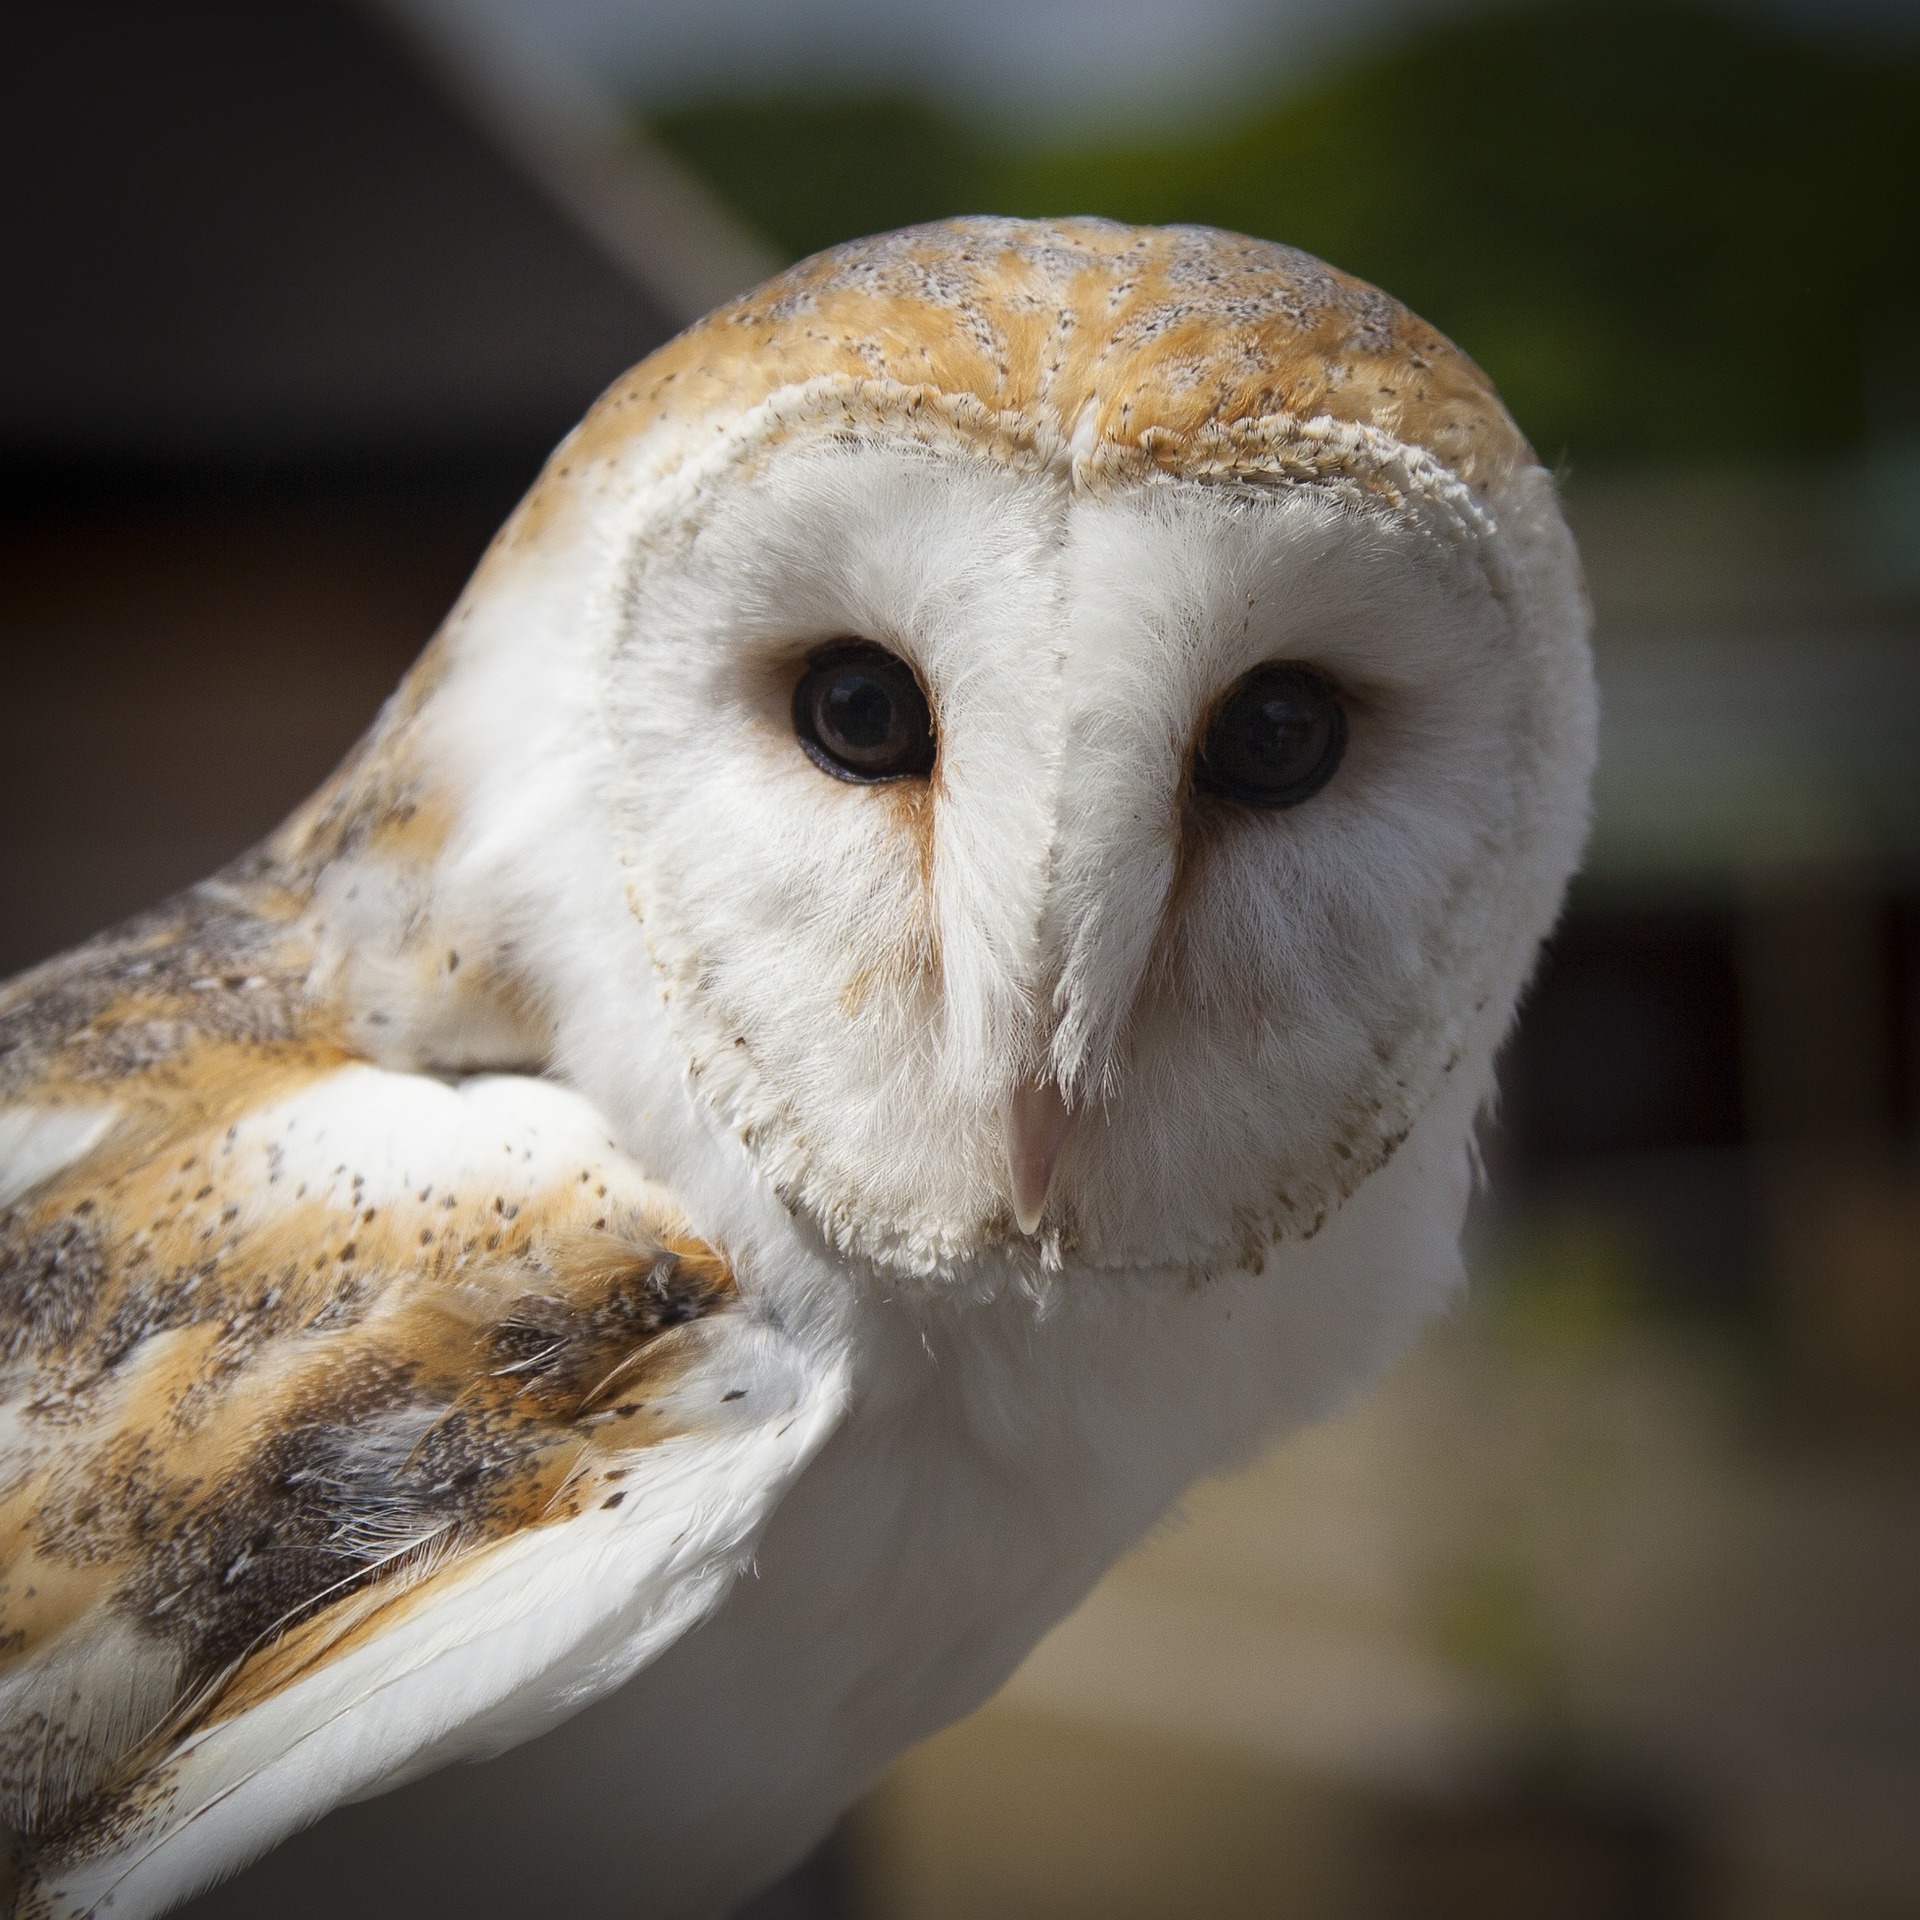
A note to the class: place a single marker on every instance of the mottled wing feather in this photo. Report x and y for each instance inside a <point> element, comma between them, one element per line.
<point>350,1419</point>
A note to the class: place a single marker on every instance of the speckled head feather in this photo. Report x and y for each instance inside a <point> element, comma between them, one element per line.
<point>1136,344</point>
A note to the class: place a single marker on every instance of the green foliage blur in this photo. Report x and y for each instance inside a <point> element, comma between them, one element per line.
<point>1667,232</point>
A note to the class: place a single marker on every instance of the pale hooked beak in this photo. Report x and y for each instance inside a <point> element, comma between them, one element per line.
<point>1037,1126</point>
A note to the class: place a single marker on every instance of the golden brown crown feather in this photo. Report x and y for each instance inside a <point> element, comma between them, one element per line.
<point>1123,335</point>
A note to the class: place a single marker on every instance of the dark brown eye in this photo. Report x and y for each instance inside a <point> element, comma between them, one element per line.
<point>1275,741</point>
<point>861,716</point>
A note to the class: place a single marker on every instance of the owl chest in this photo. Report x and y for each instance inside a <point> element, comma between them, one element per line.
<point>913,1566</point>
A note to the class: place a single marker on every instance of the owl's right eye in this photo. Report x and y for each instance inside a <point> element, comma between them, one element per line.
<point>860,715</point>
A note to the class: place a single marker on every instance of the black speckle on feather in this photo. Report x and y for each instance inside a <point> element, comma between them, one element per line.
<point>133,998</point>
<point>49,1280</point>
<point>565,1349</point>
<point>323,1506</point>
<point>379,1464</point>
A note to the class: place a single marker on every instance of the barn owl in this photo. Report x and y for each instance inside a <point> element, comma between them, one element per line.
<point>911,971</point>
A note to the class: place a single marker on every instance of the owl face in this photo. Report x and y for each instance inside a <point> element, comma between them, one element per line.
<point>1171,828</point>
<point>1057,845</point>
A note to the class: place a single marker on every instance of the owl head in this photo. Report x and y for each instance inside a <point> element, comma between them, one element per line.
<point>1033,741</point>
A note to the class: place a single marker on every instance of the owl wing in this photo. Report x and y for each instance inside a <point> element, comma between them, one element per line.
<point>351,1421</point>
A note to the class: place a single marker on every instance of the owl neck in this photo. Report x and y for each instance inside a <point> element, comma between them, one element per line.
<point>405,960</point>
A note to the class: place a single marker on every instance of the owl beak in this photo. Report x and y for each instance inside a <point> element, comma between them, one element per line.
<point>1037,1126</point>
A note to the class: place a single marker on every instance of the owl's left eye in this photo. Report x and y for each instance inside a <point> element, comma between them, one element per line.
<point>860,715</point>
<point>1275,740</point>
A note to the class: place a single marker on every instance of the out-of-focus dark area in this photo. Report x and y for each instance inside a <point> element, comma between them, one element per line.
<point>290,323</point>
<point>1609,1603</point>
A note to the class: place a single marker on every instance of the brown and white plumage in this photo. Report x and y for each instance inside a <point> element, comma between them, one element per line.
<point>588,1149</point>
<point>318,1375</point>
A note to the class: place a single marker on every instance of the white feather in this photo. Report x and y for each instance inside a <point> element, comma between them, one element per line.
<point>38,1142</point>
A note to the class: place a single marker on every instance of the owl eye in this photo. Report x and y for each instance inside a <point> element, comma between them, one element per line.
<point>861,716</point>
<point>1274,741</point>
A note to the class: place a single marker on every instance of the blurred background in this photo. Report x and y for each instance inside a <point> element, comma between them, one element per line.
<point>1609,1603</point>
